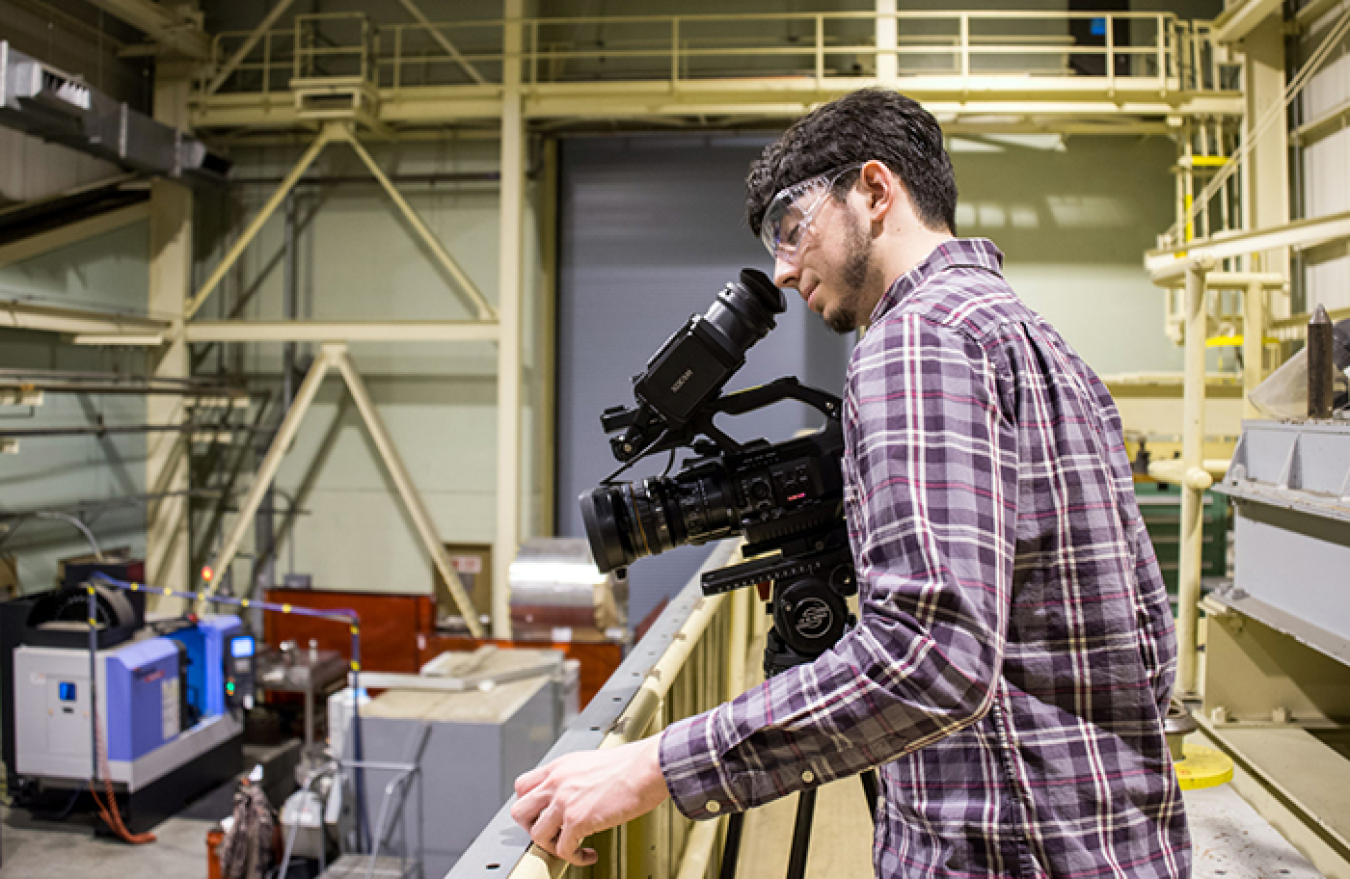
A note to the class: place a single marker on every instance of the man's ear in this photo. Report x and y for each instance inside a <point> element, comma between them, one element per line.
<point>881,189</point>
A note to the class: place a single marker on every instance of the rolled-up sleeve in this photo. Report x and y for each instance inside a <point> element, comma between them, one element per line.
<point>931,474</point>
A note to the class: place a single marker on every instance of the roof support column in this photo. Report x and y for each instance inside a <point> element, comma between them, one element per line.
<point>1268,166</point>
<point>166,460</point>
<point>511,245</point>
<point>888,38</point>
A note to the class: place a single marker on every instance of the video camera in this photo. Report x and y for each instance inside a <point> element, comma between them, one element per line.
<point>785,498</point>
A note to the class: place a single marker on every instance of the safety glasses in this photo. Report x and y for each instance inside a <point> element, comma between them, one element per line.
<point>792,210</point>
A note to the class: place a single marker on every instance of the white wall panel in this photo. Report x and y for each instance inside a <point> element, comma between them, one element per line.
<point>1326,168</point>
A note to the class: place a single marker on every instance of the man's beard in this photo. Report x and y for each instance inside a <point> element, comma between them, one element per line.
<point>852,279</point>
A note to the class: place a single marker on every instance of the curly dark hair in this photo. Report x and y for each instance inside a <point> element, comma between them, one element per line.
<point>868,124</point>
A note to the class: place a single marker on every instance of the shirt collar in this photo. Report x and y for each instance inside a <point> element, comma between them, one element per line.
<point>974,252</point>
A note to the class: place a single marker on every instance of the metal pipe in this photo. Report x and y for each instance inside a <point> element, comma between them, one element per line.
<point>100,388</point>
<point>113,430</point>
<point>411,499</point>
<point>1196,479</point>
<point>362,180</point>
<point>1321,365</point>
<point>251,232</point>
<point>1253,345</point>
<point>128,501</point>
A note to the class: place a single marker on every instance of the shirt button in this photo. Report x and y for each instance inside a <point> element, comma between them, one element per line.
<point>713,806</point>
<point>808,776</point>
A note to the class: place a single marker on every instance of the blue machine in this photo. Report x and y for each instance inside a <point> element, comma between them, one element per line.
<point>207,645</point>
<point>169,728</point>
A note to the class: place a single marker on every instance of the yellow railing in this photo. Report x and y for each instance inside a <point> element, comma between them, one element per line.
<point>1122,49</point>
<point>693,658</point>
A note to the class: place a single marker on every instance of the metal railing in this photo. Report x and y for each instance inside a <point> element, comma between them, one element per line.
<point>692,659</point>
<point>1154,51</point>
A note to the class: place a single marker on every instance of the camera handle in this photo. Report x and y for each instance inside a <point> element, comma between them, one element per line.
<point>645,434</point>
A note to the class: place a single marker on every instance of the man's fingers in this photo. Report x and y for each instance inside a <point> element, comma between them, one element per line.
<point>569,843</point>
<point>530,780</point>
<point>526,810</point>
<point>546,828</point>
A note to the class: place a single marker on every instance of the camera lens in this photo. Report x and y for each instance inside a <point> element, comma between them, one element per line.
<point>631,520</point>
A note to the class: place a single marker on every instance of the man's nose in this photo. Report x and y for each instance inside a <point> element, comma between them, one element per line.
<point>784,272</point>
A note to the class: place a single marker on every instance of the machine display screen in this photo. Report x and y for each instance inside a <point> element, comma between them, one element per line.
<point>66,690</point>
<point>241,646</point>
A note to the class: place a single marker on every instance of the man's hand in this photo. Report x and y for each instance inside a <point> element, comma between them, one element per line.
<point>574,796</point>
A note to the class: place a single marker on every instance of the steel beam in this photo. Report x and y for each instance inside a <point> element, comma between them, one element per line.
<point>54,319</point>
<point>267,471</point>
<point>994,102</point>
<point>510,253</point>
<point>72,233</point>
<point>1241,18</point>
<point>161,25</point>
<point>444,42</point>
<point>167,560</point>
<point>335,356</point>
<point>342,331</point>
<point>278,196</point>
<point>412,501</point>
<point>252,40</point>
<point>466,285</point>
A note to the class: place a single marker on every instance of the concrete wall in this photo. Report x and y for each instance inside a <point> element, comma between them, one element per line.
<point>108,272</point>
<point>1073,216</point>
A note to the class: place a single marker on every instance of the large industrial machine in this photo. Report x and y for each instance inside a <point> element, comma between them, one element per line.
<point>168,706</point>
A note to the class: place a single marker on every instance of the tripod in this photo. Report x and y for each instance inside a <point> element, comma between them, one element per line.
<point>779,656</point>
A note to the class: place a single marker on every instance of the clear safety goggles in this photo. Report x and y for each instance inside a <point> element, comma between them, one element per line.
<point>792,210</point>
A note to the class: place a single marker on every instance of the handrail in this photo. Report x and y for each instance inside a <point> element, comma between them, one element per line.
<point>1163,52</point>
<point>690,660</point>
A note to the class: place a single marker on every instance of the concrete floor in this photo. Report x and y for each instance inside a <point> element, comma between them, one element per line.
<point>52,850</point>
<point>1229,839</point>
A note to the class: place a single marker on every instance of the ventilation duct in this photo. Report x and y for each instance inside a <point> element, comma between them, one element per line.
<point>58,107</point>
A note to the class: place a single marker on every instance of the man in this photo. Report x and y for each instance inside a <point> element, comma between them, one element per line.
<point>1014,653</point>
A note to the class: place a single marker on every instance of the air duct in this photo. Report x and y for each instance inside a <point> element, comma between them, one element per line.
<point>61,108</point>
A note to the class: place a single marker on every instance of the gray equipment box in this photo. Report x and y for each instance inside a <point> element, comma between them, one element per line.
<point>478,742</point>
<point>1290,484</point>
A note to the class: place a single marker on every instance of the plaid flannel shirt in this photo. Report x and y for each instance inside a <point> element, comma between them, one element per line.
<point>1015,649</point>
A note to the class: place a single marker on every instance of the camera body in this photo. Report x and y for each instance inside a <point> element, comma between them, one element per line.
<point>785,498</point>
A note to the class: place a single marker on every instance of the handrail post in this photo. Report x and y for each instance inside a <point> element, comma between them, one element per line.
<point>1110,54</point>
<point>965,46</point>
<point>1195,478</point>
<point>1162,55</point>
<point>674,50</point>
<point>820,50</point>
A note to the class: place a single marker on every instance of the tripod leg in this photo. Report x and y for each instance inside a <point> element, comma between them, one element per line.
<point>869,781</point>
<point>731,849</point>
<point>801,834</point>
